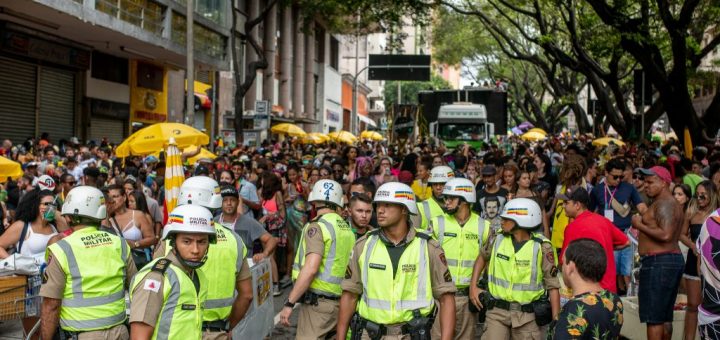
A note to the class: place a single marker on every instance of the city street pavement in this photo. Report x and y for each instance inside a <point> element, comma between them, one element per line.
<point>12,330</point>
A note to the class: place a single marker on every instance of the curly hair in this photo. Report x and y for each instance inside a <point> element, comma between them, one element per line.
<point>573,170</point>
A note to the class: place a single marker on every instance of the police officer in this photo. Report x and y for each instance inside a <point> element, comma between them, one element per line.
<point>522,269</point>
<point>461,233</point>
<point>432,207</point>
<point>320,263</point>
<point>395,275</point>
<point>226,264</point>
<point>168,295</point>
<point>87,298</point>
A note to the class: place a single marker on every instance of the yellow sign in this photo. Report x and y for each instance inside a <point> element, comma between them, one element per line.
<point>148,92</point>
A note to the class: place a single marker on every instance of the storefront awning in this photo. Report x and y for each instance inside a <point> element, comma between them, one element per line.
<point>203,101</point>
<point>367,120</point>
<point>307,121</point>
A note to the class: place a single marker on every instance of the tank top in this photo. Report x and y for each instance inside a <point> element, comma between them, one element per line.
<point>35,244</point>
<point>132,232</point>
<point>270,206</point>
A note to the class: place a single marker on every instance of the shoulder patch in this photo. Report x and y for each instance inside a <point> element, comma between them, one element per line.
<point>161,266</point>
<point>447,276</point>
<point>312,231</point>
<point>152,285</point>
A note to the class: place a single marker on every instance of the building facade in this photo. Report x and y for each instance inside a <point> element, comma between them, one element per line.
<point>97,69</point>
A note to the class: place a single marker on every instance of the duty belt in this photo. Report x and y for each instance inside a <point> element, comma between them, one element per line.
<point>463,291</point>
<point>215,326</point>
<point>513,306</point>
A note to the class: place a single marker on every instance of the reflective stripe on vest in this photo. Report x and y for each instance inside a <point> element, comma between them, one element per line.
<point>225,260</point>
<point>461,276</point>
<point>382,302</point>
<point>326,282</point>
<point>499,286</point>
<point>101,304</point>
<point>175,321</point>
<point>426,215</point>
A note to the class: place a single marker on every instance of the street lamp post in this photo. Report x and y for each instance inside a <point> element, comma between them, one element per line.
<point>190,72</point>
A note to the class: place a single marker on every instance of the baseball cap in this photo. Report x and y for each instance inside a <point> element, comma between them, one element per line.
<point>46,182</point>
<point>202,170</point>
<point>229,191</point>
<point>658,171</point>
<point>577,194</point>
<point>489,170</point>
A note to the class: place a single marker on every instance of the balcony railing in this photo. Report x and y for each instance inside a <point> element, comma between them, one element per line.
<point>145,14</point>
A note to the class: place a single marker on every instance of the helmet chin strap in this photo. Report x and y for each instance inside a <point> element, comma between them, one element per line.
<point>188,263</point>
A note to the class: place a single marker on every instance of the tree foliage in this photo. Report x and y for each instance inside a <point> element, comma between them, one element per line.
<point>409,89</point>
<point>565,44</point>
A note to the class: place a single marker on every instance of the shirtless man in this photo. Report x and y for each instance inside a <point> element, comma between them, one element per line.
<point>660,257</point>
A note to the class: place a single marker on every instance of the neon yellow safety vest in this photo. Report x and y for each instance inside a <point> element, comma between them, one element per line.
<point>516,276</point>
<point>181,315</point>
<point>429,209</point>
<point>388,297</point>
<point>223,262</point>
<point>94,295</point>
<point>339,240</point>
<point>461,244</point>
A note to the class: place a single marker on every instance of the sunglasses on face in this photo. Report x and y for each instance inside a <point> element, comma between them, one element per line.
<point>615,177</point>
<point>47,204</point>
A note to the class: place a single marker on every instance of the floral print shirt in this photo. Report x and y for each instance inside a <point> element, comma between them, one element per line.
<point>589,316</point>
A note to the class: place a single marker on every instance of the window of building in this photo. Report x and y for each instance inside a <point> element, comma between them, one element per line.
<point>319,44</point>
<point>334,61</point>
<point>109,67</point>
<point>149,76</point>
<point>145,14</point>
<point>213,10</point>
<point>205,41</point>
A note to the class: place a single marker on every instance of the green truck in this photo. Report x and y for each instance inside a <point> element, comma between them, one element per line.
<point>462,122</point>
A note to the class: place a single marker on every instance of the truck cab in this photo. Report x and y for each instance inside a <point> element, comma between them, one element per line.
<point>462,122</point>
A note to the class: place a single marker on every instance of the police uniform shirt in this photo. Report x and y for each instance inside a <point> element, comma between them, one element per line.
<point>549,269</point>
<point>54,278</point>
<point>147,300</point>
<point>313,238</point>
<point>440,278</point>
<point>244,273</point>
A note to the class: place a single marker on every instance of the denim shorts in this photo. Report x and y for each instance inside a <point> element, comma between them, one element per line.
<point>623,261</point>
<point>659,281</point>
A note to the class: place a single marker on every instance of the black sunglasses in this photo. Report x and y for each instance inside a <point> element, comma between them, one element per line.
<point>616,176</point>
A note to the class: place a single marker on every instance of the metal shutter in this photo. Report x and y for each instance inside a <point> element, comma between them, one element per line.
<point>107,127</point>
<point>17,107</point>
<point>57,109</point>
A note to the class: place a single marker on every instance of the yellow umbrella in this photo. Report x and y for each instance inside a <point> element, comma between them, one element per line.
<point>538,130</point>
<point>533,136</point>
<point>687,143</point>
<point>372,135</point>
<point>174,176</point>
<point>156,137</point>
<point>288,129</point>
<point>605,141</point>
<point>342,136</point>
<point>314,138</point>
<point>9,168</point>
<point>204,153</point>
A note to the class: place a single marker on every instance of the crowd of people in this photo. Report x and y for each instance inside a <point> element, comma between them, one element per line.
<point>382,240</point>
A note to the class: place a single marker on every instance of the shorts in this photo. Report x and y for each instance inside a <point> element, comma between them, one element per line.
<point>623,261</point>
<point>659,281</point>
<point>691,266</point>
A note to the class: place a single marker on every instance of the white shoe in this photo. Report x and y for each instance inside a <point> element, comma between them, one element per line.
<point>276,290</point>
